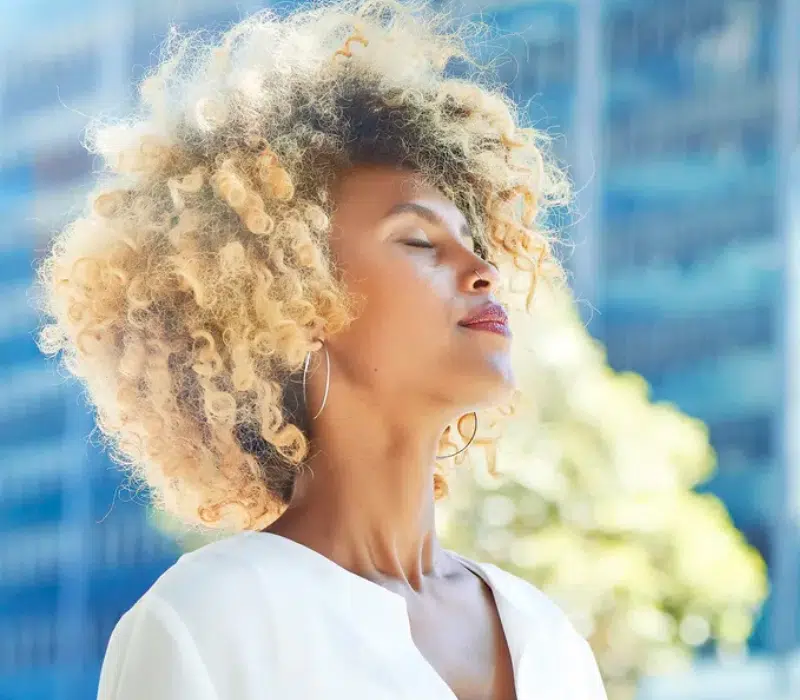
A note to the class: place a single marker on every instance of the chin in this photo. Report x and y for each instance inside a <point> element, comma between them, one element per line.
<point>492,385</point>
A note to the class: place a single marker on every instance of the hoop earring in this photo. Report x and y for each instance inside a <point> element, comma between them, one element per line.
<point>474,433</point>
<point>327,379</point>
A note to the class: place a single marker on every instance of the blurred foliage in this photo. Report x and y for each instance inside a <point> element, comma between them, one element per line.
<point>593,503</point>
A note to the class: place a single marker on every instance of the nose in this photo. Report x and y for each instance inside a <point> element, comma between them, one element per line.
<point>484,277</point>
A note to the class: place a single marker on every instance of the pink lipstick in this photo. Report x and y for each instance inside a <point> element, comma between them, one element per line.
<point>489,317</point>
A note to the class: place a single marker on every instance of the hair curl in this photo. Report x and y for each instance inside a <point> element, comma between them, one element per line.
<point>188,295</point>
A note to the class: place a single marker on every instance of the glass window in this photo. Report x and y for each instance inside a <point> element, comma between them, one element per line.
<point>703,16</point>
<point>35,85</point>
<point>16,181</point>
<point>688,233</point>
<point>144,52</point>
<point>545,67</point>
<point>7,649</point>
<point>757,139</point>
<point>62,166</point>
<point>656,346</point>
<point>717,137</point>
<point>621,36</point>
<point>31,642</point>
<point>675,47</point>
<point>19,349</point>
<point>743,440</point>
<point>723,385</point>
<point>40,421</point>
<point>124,542</point>
<point>759,536</point>
<point>33,470</point>
<point>216,19</point>
<point>30,555</point>
<point>100,628</point>
<point>45,505</point>
<point>149,35</point>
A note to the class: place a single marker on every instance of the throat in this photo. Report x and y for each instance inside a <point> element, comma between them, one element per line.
<point>401,562</point>
<point>379,527</point>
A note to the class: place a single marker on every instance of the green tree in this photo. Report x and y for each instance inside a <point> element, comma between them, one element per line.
<point>592,501</point>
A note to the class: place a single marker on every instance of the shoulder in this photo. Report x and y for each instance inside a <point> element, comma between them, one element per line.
<point>238,598</point>
<point>555,641</point>
<point>529,599</point>
<point>227,589</point>
<point>212,605</point>
<point>217,570</point>
<point>246,567</point>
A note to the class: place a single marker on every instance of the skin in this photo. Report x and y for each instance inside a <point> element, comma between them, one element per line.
<point>401,372</point>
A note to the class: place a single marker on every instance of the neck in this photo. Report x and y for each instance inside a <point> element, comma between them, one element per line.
<point>365,499</point>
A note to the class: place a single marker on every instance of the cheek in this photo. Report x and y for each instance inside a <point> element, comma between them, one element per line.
<point>412,290</point>
<point>403,300</point>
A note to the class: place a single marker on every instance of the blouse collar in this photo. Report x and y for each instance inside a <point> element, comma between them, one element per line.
<point>528,618</point>
<point>513,597</point>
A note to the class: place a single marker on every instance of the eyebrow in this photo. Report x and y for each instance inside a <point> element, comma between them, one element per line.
<point>427,214</point>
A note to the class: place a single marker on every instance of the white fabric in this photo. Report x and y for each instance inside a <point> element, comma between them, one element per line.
<point>260,617</point>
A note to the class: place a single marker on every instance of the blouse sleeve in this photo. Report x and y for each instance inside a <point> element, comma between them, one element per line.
<point>593,688</point>
<point>152,655</point>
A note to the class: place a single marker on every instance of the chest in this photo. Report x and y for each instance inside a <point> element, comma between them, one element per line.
<point>462,639</point>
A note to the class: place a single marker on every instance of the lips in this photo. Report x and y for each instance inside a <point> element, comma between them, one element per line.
<point>489,317</point>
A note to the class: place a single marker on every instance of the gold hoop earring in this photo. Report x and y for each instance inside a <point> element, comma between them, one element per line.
<point>474,433</point>
<point>327,379</point>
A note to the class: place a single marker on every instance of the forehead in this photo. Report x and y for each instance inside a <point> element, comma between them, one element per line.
<point>365,194</point>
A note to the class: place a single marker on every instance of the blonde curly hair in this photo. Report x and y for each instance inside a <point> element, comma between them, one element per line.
<point>189,293</point>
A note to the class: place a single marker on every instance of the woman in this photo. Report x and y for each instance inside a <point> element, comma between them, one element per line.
<point>281,299</point>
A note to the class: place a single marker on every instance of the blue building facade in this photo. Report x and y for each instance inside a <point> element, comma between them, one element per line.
<point>76,546</point>
<point>693,241</point>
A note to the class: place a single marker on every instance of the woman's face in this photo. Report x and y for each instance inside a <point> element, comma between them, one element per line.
<point>405,251</point>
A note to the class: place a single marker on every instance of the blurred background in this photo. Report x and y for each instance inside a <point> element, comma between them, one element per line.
<point>654,488</point>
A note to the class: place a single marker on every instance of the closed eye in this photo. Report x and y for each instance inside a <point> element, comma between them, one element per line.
<point>419,244</point>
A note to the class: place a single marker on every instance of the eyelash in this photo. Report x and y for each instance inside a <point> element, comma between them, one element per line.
<point>420,244</point>
<point>426,245</point>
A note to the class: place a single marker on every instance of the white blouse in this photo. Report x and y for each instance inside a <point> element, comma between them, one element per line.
<point>260,617</point>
